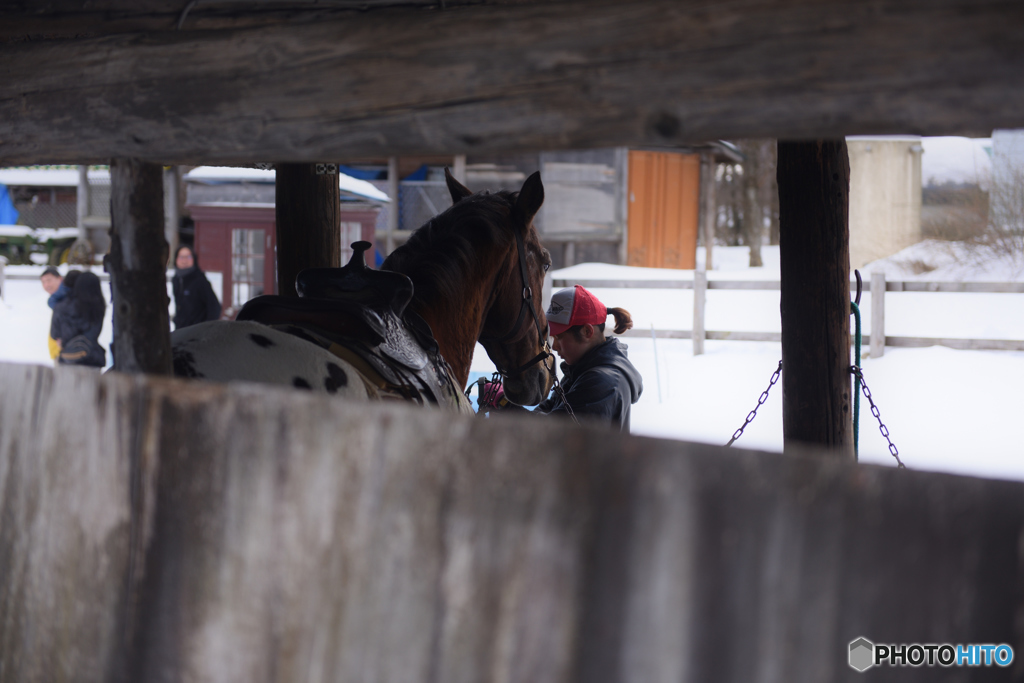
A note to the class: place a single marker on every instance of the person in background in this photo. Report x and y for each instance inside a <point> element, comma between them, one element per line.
<point>599,382</point>
<point>78,321</point>
<point>194,299</point>
<point>53,284</point>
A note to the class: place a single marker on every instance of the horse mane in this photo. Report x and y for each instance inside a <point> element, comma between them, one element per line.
<point>439,254</point>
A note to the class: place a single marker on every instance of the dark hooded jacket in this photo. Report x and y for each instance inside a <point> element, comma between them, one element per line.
<point>194,299</point>
<point>78,320</point>
<point>601,385</point>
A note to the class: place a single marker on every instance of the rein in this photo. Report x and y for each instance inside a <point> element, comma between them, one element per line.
<point>543,356</point>
<point>525,305</point>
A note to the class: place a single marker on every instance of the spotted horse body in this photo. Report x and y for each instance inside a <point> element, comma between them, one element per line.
<point>472,271</point>
<point>246,350</point>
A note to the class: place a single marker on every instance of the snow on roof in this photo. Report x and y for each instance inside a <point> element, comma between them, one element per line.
<point>15,231</point>
<point>56,233</point>
<point>226,174</point>
<point>43,176</point>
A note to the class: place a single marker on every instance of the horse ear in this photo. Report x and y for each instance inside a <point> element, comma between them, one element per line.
<point>457,189</point>
<point>530,198</point>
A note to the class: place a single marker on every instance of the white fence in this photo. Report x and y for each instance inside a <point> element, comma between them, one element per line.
<point>878,286</point>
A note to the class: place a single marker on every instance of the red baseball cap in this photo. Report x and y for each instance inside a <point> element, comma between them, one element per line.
<point>574,306</point>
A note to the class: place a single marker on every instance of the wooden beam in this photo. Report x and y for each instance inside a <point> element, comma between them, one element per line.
<point>490,79</point>
<point>814,255</point>
<point>137,262</point>
<point>308,222</point>
<point>162,530</point>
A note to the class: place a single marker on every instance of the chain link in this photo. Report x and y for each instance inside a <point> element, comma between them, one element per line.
<point>874,411</point>
<point>760,402</point>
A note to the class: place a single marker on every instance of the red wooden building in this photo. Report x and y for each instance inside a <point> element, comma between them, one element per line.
<point>235,228</point>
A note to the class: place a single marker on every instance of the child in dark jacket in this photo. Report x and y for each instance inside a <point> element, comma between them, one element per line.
<point>78,320</point>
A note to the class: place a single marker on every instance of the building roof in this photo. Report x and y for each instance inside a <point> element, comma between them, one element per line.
<point>212,175</point>
<point>50,176</point>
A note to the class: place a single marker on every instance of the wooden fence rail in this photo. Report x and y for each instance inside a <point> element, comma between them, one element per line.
<point>877,286</point>
<point>159,529</point>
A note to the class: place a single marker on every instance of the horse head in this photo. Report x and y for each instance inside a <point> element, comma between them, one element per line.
<point>514,330</point>
<point>478,269</point>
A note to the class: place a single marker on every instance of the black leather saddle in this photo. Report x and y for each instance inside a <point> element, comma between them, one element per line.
<point>364,311</point>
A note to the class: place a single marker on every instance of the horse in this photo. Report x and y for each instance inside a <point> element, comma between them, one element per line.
<point>474,269</point>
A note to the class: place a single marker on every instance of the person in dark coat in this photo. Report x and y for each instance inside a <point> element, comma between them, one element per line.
<point>78,320</point>
<point>598,380</point>
<point>194,300</point>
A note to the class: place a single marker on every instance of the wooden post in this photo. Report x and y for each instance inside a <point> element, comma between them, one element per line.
<point>137,263</point>
<point>82,197</point>
<point>814,190</point>
<point>308,221</point>
<point>877,314</point>
<point>700,286</point>
<point>172,212</point>
<point>394,207</point>
<point>710,209</point>
<point>459,169</point>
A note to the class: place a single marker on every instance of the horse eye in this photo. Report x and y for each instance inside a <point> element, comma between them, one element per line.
<point>546,266</point>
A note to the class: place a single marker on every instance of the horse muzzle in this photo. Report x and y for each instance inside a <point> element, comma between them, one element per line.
<point>530,383</point>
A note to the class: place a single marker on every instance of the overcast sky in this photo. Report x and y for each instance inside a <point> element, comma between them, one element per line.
<point>955,159</point>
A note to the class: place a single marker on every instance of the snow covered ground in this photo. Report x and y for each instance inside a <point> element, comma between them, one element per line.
<point>947,410</point>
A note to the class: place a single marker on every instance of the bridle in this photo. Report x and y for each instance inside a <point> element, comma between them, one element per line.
<point>525,305</point>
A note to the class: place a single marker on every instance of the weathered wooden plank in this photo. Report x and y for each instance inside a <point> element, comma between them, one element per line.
<point>708,334</point>
<point>974,287</point>
<point>814,198</point>
<point>281,536</point>
<point>890,285</point>
<point>73,473</point>
<point>627,284</point>
<point>955,343</point>
<point>659,334</point>
<point>69,19</point>
<point>532,76</point>
<point>906,342</point>
<point>748,285</point>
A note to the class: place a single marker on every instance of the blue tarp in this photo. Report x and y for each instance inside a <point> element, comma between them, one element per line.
<point>8,214</point>
<point>361,174</point>
<point>419,174</point>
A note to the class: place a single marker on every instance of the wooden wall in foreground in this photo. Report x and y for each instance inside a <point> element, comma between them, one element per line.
<point>152,529</point>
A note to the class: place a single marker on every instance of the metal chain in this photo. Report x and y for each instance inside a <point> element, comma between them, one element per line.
<point>760,401</point>
<point>874,411</point>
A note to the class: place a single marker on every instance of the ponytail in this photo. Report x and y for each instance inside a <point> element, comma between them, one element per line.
<point>623,321</point>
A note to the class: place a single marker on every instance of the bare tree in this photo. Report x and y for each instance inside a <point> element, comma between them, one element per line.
<point>1005,234</point>
<point>748,199</point>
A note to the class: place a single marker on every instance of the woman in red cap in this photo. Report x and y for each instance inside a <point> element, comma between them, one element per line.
<point>598,380</point>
